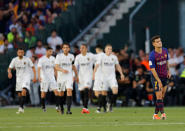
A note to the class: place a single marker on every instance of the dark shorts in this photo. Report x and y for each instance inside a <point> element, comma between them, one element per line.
<point>155,83</point>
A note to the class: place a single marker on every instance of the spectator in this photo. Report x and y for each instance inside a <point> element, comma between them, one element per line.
<point>30,40</point>
<point>54,40</point>
<point>172,63</point>
<point>31,52</point>
<point>139,84</point>
<point>6,47</point>
<point>179,55</point>
<point>1,39</point>
<point>40,50</point>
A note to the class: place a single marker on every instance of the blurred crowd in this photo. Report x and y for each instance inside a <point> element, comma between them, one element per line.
<point>20,21</point>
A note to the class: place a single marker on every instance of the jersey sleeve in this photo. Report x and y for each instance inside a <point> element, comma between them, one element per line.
<point>167,54</point>
<point>30,62</point>
<point>116,60</point>
<point>76,61</point>
<point>40,63</point>
<point>98,59</point>
<point>152,60</point>
<point>57,60</point>
<point>12,64</point>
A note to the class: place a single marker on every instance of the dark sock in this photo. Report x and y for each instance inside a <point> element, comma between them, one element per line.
<point>57,101</point>
<point>61,102</point>
<point>69,102</point>
<point>104,102</point>
<point>86,97</point>
<point>43,103</point>
<point>82,96</point>
<point>23,99</point>
<point>99,101</point>
<point>113,99</point>
<point>160,106</point>
<point>20,100</point>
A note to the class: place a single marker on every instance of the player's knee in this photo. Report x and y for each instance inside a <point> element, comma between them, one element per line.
<point>23,92</point>
<point>104,93</point>
<point>69,92</point>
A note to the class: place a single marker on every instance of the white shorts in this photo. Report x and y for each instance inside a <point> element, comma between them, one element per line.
<point>23,84</point>
<point>98,85</point>
<point>63,85</point>
<point>110,83</point>
<point>84,83</point>
<point>45,86</point>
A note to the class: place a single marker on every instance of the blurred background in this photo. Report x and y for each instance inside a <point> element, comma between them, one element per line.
<point>126,24</point>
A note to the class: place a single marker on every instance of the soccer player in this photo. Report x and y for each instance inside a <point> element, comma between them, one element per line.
<point>64,66</point>
<point>22,65</point>
<point>46,76</point>
<point>158,62</point>
<point>84,63</point>
<point>109,63</point>
<point>99,91</point>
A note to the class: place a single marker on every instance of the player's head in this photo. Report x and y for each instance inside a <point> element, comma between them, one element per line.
<point>83,48</point>
<point>66,48</point>
<point>49,51</point>
<point>98,48</point>
<point>20,52</point>
<point>108,49</point>
<point>156,41</point>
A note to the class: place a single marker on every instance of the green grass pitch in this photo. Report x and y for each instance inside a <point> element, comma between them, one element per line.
<point>122,119</point>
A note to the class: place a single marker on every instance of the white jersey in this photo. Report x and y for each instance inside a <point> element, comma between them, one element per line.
<point>65,62</point>
<point>107,63</point>
<point>85,64</point>
<point>47,68</point>
<point>98,74</point>
<point>22,67</point>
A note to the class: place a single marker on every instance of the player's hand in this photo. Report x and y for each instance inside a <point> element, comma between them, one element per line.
<point>169,75</point>
<point>34,80</point>
<point>122,77</point>
<point>160,85</point>
<point>93,77</point>
<point>65,71</point>
<point>10,75</point>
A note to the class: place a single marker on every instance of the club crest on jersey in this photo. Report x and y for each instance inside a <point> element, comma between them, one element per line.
<point>165,55</point>
<point>88,59</point>
<point>24,63</point>
<point>70,59</point>
<point>112,59</point>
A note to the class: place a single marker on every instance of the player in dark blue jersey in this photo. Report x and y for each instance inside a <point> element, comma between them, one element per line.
<point>158,62</point>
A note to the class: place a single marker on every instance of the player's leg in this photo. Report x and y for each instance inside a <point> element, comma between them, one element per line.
<point>86,97</point>
<point>99,97</point>
<point>61,98</point>
<point>43,89</point>
<point>104,101</point>
<point>57,99</point>
<point>19,97</point>
<point>163,115</point>
<point>69,100</point>
<point>114,97</point>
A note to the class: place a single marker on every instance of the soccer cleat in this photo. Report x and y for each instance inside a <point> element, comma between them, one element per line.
<point>57,109</point>
<point>87,111</point>
<point>156,117</point>
<point>83,111</point>
<point>44,109</point>
<point>163,116</point>
<point>69,113</point>
<point>20,110</point>
<point>98,111</point>
<point>62,111</point>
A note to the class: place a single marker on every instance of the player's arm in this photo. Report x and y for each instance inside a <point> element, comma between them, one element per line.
<point>118,68</point>
<point>55,73</point>
<point>34,73</point>
<point>39,78</point>
<point>58,68</point>
<point>76,73</point>
<point>94,71</point>
<point>11,66</point>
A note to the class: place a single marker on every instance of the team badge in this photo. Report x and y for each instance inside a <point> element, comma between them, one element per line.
<point>162,57</point>
<point>70,59</point>
<point>88,59</point>
<point>112,59</point>
<point>165,55</point>
<point>24,63</point>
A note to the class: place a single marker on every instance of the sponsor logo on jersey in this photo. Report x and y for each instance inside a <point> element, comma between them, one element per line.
<point>161,63</point>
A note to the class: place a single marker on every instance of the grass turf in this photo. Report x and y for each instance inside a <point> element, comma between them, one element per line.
<point>127,119</point>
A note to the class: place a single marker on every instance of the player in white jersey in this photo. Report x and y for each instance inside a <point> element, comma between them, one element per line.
<point>109,63</point>
<point>64,66</point>
<point>46,76</point>
<point>84,63</point>
<point>22,65</point>
<point>98,89</point>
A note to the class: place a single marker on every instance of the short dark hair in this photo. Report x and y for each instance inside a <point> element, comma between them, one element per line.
<point>49,48</point>
<point>54,30</point>
<point>108,45</point>
<point>84,45</point>
<point>98,47</point>
<point>66,44</point>
<point>154,38</point>
<point>20,48</point>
